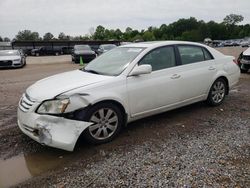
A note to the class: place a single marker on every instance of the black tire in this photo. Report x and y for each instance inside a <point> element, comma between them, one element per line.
<point>212,99</point>
<point>88,133</point>
<point>37,54</point>
<point>57,54</point>
<point>243,70</point>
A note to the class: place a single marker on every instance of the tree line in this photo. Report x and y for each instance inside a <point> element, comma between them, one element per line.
<point>189,29</point>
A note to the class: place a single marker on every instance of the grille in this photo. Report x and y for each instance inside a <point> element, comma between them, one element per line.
<point>26,103</point>
<point>5,63</point>
<point>246,57</point>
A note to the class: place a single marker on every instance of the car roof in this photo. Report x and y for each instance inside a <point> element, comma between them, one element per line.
<point>246,52</point>
<point>159,43</point>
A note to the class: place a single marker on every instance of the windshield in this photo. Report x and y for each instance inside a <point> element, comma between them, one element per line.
<point>9,53</point>
<point>82,47</point>
<point>114,61</point>
<point>108,47</point>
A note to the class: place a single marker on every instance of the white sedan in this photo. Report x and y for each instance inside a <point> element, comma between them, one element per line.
<point>125,84</point>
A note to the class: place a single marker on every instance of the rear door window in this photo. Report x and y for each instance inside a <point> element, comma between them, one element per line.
<point>191,54</point>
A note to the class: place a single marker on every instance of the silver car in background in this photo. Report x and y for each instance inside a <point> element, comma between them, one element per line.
<point>12,59</point>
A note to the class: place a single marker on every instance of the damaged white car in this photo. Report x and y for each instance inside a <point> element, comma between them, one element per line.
<point>125,84</point>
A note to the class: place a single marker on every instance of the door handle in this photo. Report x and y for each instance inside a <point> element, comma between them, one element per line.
<point>175,76</point>
<point>211,68</point>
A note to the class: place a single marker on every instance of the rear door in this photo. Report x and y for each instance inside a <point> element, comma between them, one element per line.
<point>197,70</point>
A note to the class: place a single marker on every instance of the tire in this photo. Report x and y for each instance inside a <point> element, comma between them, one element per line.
<point>217,92</point>
<point>57,54</point>
<point>37,54</point>
<point>243,70</point>
<point>108,120</point>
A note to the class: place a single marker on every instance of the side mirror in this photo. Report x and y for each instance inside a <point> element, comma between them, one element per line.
<point>141,69</point>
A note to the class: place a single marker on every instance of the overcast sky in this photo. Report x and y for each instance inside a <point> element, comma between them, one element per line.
<point>76,17</point>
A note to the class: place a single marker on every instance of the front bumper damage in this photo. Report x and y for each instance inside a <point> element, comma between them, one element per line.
<point>57,132</point>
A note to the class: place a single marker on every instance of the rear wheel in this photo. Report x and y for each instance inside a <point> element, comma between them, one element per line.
<point>243,70</point>
<point>217,92</point>
<point>37,54</point>
<point>107,122</point>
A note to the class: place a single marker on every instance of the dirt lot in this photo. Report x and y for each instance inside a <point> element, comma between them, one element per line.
<point>195,146</point>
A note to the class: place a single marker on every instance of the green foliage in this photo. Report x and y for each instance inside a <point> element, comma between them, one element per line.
<point>1,39</point>
<point>189,29</point>
<point>27,35</point>
<point>233,19</point>
<point>48,36</point>
<point>62,36</point>
<point>6,39</point>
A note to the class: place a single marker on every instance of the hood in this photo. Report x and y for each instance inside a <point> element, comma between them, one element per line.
<point>6,58</point>
<point>77,52</point>
<point>247,52</point>
<point>52,86</point>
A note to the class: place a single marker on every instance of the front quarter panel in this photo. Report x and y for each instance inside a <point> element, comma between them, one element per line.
<point>113,89</point>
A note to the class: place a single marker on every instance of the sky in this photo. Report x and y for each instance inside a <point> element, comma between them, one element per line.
<point>76,17</point>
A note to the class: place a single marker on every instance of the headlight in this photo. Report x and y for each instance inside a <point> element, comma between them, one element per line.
<point>57,106</point>
<point>16,60</point>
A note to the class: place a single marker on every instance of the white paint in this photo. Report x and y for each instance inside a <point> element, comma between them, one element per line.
<point>140,96</point>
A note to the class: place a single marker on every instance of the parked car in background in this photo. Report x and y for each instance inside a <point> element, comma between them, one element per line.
<point>46,50</point>
<point>245,44</point>
<point>105,47</point>
<point>122,85</point>
<point>66,50</point>
<point>83,51</point>
<point>12,58</point>
<point>244,61</point>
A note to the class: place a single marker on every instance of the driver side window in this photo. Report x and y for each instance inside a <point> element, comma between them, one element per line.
<point>160,58</point>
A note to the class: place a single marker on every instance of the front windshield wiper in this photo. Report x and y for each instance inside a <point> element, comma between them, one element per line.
<point>90,71</point>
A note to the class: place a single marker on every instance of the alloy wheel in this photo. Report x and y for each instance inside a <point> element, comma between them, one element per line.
<point>218,91</point>
<point>105,123</point>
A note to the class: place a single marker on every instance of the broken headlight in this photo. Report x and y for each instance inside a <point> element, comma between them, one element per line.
<point>57,106</point>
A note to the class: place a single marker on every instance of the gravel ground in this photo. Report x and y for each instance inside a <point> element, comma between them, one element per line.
<point>195,146</point>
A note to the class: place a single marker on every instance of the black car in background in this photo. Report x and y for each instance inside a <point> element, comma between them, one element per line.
<point>104,48</point>
<point>66,50</point>
<point>46,50</point>
<point>83,51</point>
<point>244,61</point>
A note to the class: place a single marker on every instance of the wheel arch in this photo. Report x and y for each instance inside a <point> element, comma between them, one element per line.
<point>116,103</point>
<point>227,83</point>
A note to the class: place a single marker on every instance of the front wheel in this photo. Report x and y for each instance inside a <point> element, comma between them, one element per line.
<point>107,121</point>
<point>217,92</point>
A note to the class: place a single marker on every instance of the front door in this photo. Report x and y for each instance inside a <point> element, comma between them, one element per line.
<point>154,92</point>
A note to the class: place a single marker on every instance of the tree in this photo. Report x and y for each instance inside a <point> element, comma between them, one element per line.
<point>62,36</point>
<point>6,39</point>
<point>1,39</point>
<point>148,36</point>
<point>27,35</point>
<point>99,33</point>
<point>233,19</point>
<point>48,36</point>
